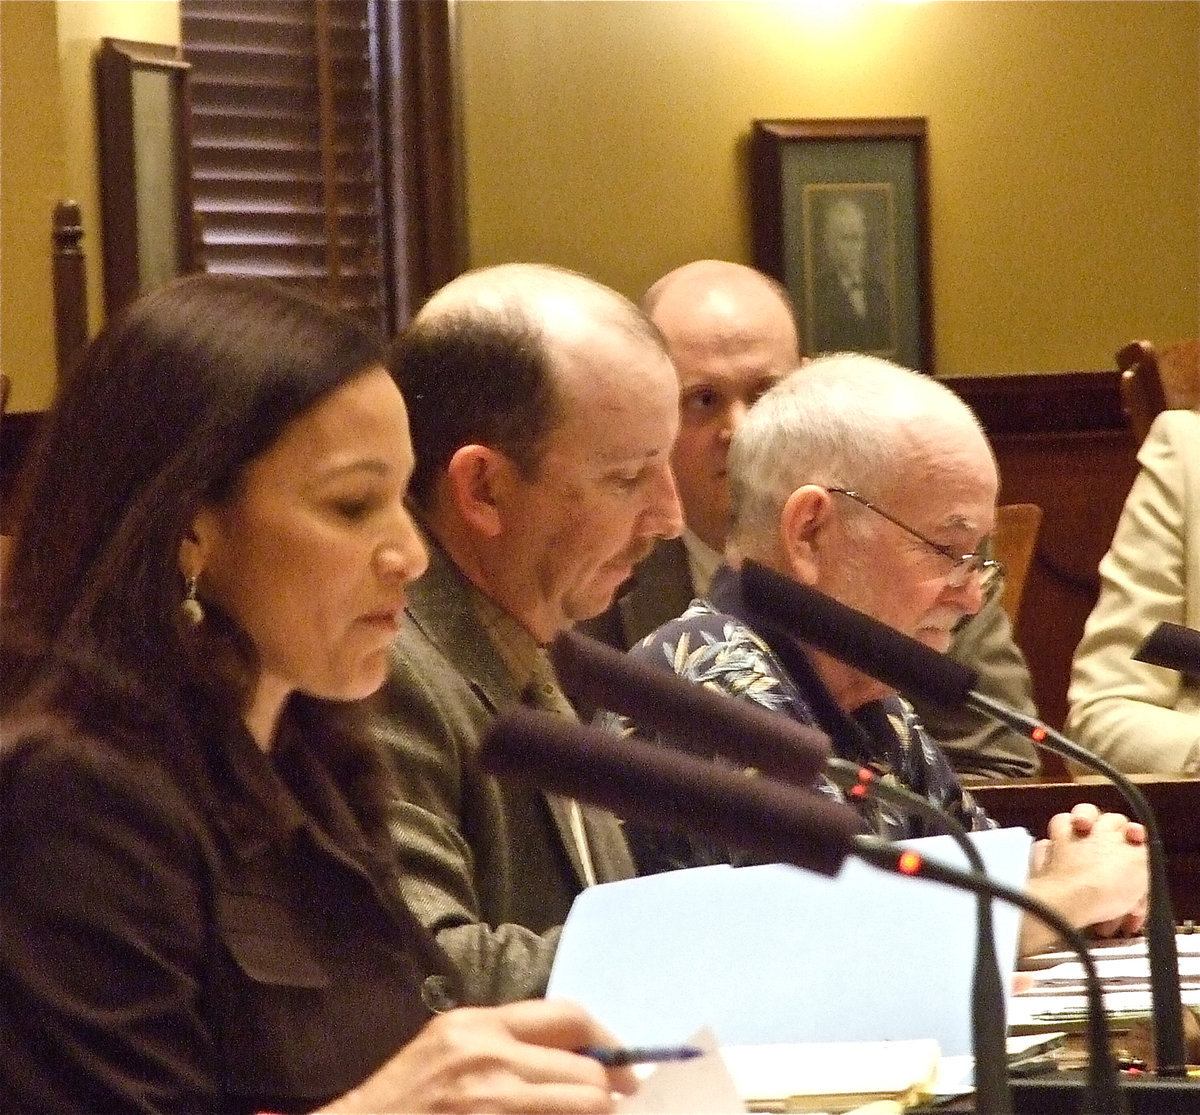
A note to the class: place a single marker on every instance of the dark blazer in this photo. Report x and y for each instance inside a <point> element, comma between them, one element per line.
<point>490,866</point>
<point>837,327</point>
<point>168,946</point>
<point>661,589</point>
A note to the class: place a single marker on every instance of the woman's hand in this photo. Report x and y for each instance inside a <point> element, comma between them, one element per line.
<point>516,1058</point>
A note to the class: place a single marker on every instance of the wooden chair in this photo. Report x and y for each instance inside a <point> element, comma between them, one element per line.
<point>1015,540</point>
<point>1014,543</point>
<point>1154,380</point>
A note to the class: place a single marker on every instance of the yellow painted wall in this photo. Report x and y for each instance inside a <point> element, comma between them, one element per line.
<point>610,136</point>
<point>81,26</point>
<point>48,152</point>
<point>31,184</point>
<point>1064,142</point>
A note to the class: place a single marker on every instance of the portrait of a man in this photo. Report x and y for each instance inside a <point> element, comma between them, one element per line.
<point>850,292</point>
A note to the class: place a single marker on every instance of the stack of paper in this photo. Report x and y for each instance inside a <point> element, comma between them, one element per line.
<point>830,1077</point>
<point>1056,996</point>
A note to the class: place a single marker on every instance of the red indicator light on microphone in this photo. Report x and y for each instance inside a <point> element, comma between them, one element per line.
<point>862,787</point>
<point>909,863</point>
<point>1037,734</point>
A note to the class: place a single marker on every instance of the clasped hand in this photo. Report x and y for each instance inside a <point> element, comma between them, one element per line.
<point>1092,867</point>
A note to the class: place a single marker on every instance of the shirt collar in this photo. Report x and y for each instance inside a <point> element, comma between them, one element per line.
<point>851,733</point>
<point>518,649</point>
<point>703,561</point>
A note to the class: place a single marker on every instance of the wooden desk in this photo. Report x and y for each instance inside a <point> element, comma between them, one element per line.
<point>1175,802</point>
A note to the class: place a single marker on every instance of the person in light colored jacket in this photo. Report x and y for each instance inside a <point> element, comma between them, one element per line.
<point>1138,717</point>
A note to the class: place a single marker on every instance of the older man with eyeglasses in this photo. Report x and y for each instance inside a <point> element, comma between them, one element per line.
<point>877,486</point>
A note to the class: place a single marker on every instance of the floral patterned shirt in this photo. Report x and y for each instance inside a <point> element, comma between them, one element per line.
<point>715,644</point>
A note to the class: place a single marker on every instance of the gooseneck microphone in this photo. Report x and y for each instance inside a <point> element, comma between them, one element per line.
<point>667,789</point>
<point>1172,646</point>
<point>1103,1092</point>
<point>664,788</point>
<point>911,667</point>
<point>701,721</point>
<point>989,1026</point>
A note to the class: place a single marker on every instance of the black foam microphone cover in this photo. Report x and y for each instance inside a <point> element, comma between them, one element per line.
<point>856,639</point>
<point>1172,646</point>
<point>692,717</point>
<point>666,789</point>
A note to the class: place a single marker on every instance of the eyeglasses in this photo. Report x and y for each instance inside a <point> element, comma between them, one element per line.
<point>990,572</point>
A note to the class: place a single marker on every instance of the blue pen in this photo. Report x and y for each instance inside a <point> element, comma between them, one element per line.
<point>613,1057</point>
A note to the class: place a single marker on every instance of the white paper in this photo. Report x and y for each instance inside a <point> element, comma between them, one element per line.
<point>701,1086</point>
<point>768,1072</point>
<point>1056,997</point>
<point>1119,968</point>
<point>774,954</point>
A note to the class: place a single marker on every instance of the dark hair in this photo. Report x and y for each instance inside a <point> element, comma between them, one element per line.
<point>474,376</point>
<point>163,412</point>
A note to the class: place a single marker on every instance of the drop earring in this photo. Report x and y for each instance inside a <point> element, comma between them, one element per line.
<point>191,609</point>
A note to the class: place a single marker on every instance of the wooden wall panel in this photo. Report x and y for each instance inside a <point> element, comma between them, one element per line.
<point>1062,442</point>
<point>1081,481</point>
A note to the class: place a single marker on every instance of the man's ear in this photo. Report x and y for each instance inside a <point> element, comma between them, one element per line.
<point>802,520</point>
<point>478,479</point>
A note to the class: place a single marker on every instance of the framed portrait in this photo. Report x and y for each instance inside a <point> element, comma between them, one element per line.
<point>840,217</point>
<point>142,101</point>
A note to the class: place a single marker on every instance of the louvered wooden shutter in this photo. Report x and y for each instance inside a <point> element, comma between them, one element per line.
<point>286,156</point>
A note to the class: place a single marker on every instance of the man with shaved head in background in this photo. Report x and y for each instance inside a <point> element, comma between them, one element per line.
<point>543,408</point>
<point>732,334</point>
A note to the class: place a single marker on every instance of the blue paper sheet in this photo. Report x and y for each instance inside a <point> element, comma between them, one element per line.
<point>774,954</point>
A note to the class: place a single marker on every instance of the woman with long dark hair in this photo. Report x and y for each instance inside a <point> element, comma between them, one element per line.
<point>198,902</point>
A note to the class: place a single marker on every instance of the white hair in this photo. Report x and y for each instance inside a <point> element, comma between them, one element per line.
<point>843,420</point>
